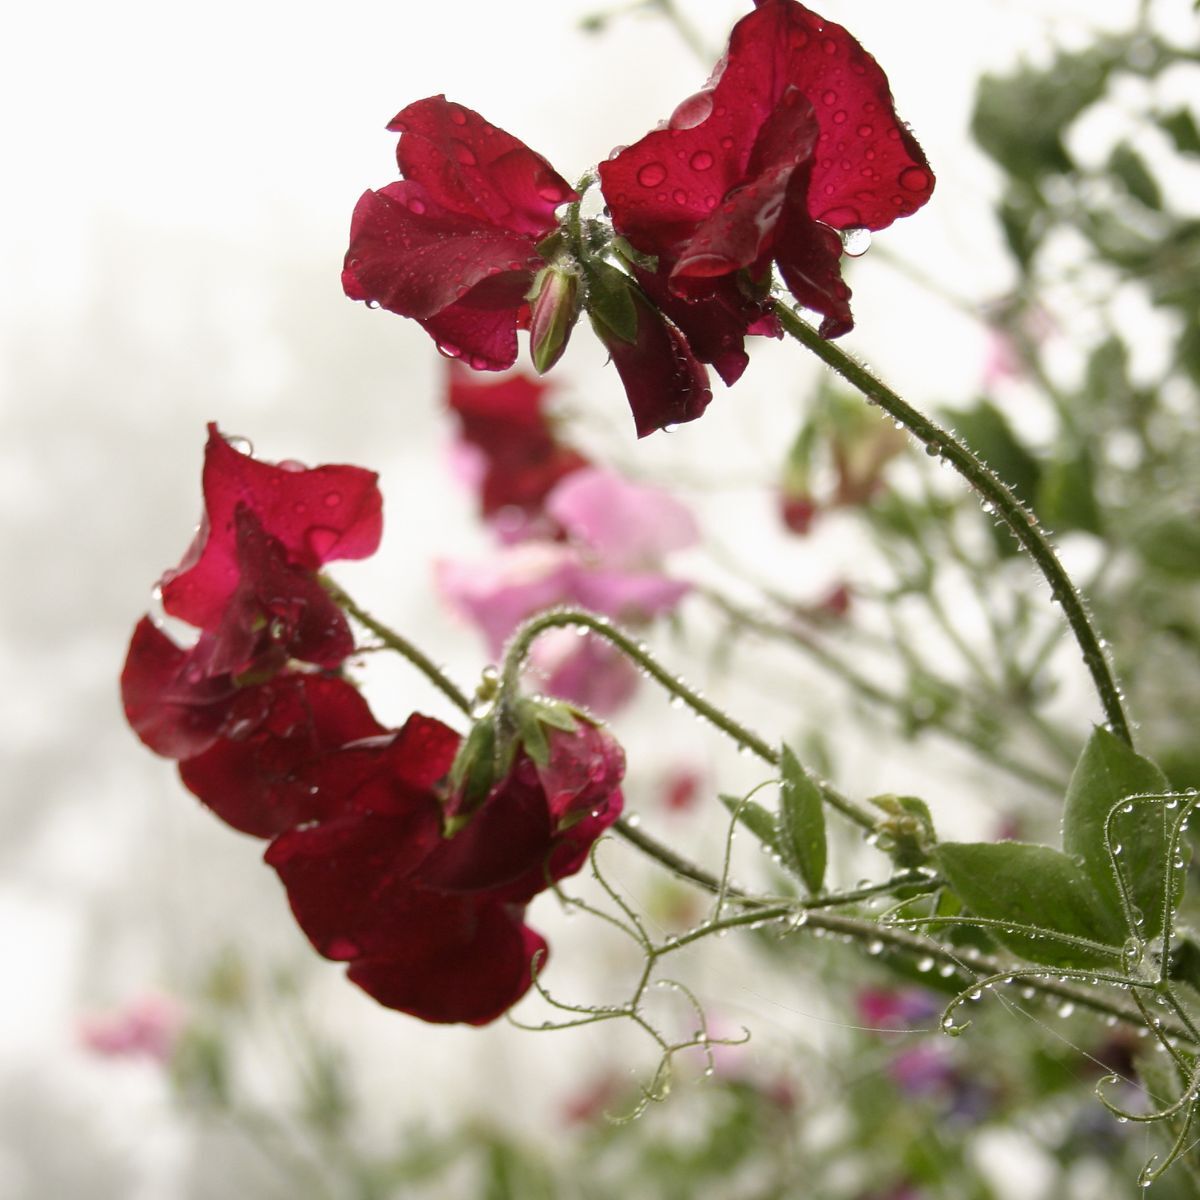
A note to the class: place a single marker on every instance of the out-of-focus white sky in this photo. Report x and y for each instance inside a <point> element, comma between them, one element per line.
<point>179,181</point>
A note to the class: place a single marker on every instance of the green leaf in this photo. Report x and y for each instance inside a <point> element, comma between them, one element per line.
<point>1171,544</point>
<point>1107,772</point>
<point>801,823</point>
<point>1180,127</point>
<point>610,299</point>
<point>1038,887</point>
<point>1127,165</point>
<point>1067,496</point>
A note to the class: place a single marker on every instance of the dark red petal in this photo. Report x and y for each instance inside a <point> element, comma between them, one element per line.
<point>809,257</point>
<point>319,514</point>
<point>569,852</point>
<point>416,258</point>
<point>716,325</point>
<point>664,383</point>
<point>481,329</point>
<point>508,836</point>
<point>869,169</point>
<point>481,966</point>
<point>470,166</point>
<point>349,880</point>
<point>255,783</point>
<point>277,612</point>
<point>171,704</point>
<point>585,767</point>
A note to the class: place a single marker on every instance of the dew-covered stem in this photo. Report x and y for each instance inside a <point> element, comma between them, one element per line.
<point>994,493</point>
<point>401,645</point>
<point>522,641</point>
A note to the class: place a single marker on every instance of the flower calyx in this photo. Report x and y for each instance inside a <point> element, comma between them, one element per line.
<point>905,833</point>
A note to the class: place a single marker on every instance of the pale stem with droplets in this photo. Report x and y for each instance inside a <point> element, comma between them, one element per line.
<point>994,493</point>
<point>522,641</point>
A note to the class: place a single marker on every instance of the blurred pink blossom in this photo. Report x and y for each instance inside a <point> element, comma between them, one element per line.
<point>146,1026</point>
<point>618,534</point>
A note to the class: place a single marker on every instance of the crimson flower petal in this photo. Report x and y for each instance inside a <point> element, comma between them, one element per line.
<point>415,257</point>
<point>318,514</point>
<point>481,964</point>
<point>469,166</point>
<point>170,703</point>
<point>255,783</point>
<point>664,382</point>
<point>585,766</point>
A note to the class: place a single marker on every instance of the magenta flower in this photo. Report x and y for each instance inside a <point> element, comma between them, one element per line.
<point>793,139</point>
<point>454,244</point>
<point>148,1026</point>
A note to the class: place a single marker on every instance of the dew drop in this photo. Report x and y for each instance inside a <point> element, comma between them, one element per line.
<point>865,130</point>
<point>829,46</point>
<point>914,179</point>
<point>691,112</point>
<point>679,196</point>
<point>727,143</point>
<point>463,153</point>
<point>829,97</point>
<point>651,174</point>
<point>448,350</point>
<point>839,117</point>
<point>856,242</point>
<point>457,115</point>
<point>701,160</point>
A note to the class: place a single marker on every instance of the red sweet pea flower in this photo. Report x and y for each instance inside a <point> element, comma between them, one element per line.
<point>180,702</point>
<point>795,137</point>
<point>454,245</point>
<point>316,515</point>
<point>432,925</point>
<point>504,422</point>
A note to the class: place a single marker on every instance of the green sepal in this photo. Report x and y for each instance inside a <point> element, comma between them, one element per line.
<point>625,249</point>
<point>610,300</point>
<point>906,833</point>
<point>802,838</point>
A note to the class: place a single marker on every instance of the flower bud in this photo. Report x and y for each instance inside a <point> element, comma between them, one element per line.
<point>554,302</point>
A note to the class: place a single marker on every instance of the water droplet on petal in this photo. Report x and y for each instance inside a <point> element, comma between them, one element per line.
<point>691,112</point>
<point>701,160</point>
<point>448,350</point>
<point>865,130</point>
<point>679,196</point>
<point>829,46</point>
<point>463,153</point>
<point>829,97</point>
<point>856,241</point>
<point>839,117</point>
<point>457,115</point>
<point>651,174</point>
<point>841,217</point>
<point>914,179</point>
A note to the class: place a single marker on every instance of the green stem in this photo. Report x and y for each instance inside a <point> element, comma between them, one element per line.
<point>401,645</point>
<point>522,642</point>
<point>994,492</point>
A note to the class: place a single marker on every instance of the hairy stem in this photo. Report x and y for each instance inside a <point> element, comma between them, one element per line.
<point>401,645</point>
<point>522,642</point>
<point>994,492</point>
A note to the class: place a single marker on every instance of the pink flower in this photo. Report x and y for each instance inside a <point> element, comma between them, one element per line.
<point>619,533</point>
<point>148,1026</point>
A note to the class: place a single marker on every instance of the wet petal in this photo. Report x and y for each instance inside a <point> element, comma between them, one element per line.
<point>469,166</point>
<point>318,514</point>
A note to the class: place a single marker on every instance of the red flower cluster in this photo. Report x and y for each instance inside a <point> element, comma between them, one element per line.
<point>272,738</point>
<point>793,139</point>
